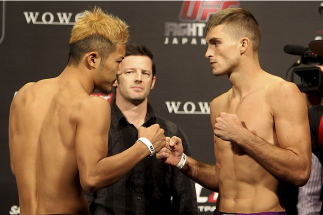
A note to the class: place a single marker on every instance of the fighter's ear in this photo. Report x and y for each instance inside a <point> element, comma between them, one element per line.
<point>244,44</point>
<point>92,59</point>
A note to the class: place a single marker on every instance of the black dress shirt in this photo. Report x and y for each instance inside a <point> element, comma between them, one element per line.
<point>150,187</point>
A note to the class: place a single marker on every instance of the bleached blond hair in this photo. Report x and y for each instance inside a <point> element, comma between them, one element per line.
<point>96,31</point>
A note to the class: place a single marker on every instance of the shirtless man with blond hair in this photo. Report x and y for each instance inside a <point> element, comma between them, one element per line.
<point>58,134</point>
<point>261,129</point>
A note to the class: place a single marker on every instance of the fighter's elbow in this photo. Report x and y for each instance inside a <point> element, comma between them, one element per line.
<point>301,181</point>
<point>302,177</point>
<point>90,184</point>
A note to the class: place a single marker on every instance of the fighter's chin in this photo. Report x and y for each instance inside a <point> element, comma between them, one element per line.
<point>218,73</point>
<point>105,90</point>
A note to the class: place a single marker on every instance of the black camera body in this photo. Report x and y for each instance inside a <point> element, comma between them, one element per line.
<point>308,79</point>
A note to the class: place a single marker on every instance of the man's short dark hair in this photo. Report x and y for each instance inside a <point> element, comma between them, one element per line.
<point>241,23</point>
<point>141,50</point>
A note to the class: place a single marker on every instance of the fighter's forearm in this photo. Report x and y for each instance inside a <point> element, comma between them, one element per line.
<point>205,174</point>
<point>111,169</point>
<point>284,163</point>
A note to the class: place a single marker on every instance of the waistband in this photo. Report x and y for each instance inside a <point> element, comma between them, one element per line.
<point>261,213</point>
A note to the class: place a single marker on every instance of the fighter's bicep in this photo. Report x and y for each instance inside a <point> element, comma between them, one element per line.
<point>291,119</point>
<point>92,129</point>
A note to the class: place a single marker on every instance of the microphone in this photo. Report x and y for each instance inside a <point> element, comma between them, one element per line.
<point>295,49</point>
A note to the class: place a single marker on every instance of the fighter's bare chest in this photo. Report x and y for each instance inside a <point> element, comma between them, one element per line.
<point>253,111</point>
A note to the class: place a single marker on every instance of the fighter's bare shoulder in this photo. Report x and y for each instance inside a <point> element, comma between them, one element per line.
<point>20,95</point>
<point>281,91</point>
<point>93,107</point>
<point>33,87</point>
<point>26,87</point>
<point>217,105</point>
<point>218,102</point>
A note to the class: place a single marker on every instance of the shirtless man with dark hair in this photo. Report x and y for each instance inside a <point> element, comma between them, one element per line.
<point>58,134</point>
<point>261,129</point>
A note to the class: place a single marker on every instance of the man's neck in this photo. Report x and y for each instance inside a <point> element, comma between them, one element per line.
<point>246,79</point>
<point>134,113</point>
<point>74,75</point>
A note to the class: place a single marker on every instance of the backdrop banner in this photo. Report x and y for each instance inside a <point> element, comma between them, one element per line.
<point>34,38</point>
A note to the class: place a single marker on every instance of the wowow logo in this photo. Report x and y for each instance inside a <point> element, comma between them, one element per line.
<point>49,18</point>
<point>193,17</point>
<point>188,107</point>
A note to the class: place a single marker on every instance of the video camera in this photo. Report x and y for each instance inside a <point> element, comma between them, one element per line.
<point>308,79</point>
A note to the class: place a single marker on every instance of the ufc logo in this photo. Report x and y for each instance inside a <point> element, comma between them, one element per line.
<point>202,10</point>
